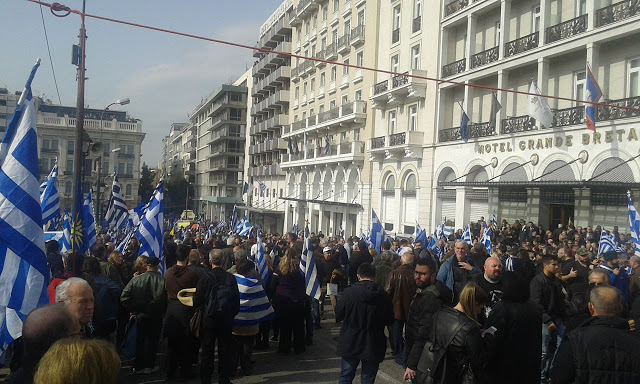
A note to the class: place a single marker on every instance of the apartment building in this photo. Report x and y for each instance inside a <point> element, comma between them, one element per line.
<point>270,93</point>
<point>401,148</point>
<point>327,175</point>
<point>514,166</point>
<point>220,124</point>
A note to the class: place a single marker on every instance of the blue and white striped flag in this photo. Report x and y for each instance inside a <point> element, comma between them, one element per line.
<point>606,243</point>
<point>494,221</point>
<point>50,199</point>
<point>210,230</point>
<point>221,225</point>
<point>53,173</point>
<point>89,222</point>
<point>416,233</point>
<point>486,240</point>
<point>295,229</point>
<point>433,246</point>
<point>261,261</point>
<point>244,227</point>
<point>65,241</point>
<point>378,234</point>
<point>634,223</point>
<point>308,267</point>
<point>263,187</point>
<point>447,231</point>
<point>150,231</point>
<point>122,246</point>
<point>466,236</point>
<point>254,304</point>
<point>24,273</point>
<point>117,212</point>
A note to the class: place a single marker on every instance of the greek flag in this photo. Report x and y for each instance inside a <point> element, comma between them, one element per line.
<point>65,241</point>
<point>89,222</point>
<point>486,240</point>
<point>378,235</point>
<point>433,247</point>
<point>254,304</point>
<point>49,198</point>
<point>308,267</point>
<point>53,173</point>
<point>150,232</point>
<point>261,262</point>
<point>417,231</point>
<point>466,235</point>
<point>447,231</point>
<point>221,225</point>
<point>634,223</point>
<point>24,273</point>
<point>136,214</point>
<point>124,243</point>
<point>606,243</point>
<point>244,227</point>
<point>494,221</point>
<point>210,231</point>
<point>295,229</point>
<point>117,212</point>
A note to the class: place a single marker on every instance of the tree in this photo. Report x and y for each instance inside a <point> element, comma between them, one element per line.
<point>146,183</point>
<point>175,193</point>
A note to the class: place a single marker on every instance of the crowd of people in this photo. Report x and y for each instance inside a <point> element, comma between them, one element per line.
<point>544,305</point>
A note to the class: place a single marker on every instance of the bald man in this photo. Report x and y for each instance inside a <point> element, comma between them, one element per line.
<point>43,327</point>
<point>491,282</point>
<point>602,349</point>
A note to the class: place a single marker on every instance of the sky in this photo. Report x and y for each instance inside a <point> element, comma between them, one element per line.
<point>165,76</point>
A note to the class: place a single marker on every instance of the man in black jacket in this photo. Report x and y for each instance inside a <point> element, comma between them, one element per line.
<point>365,310</point>
<point>430,297</point>
<point>602,349</point>
<point>546,293</point>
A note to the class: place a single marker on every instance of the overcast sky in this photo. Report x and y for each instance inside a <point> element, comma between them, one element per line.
<point>165,76</point>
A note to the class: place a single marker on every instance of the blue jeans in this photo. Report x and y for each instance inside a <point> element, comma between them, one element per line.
<point>398,341</point>
<point>349,366</point>
<point>549,337</point>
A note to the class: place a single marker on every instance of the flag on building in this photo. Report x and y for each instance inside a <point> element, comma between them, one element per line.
<point>150,231</point>
<point>308,267</point>
<point>378,234</point>
<point>327,144</point>
<point>245,188</point>
<point>290,145</point>
<point>464,127</point>
<point>495,108</point>
<point>117,212</point>
<point>263,187</point>
<point>593,94</point>
<point>254,303</point>
<point>466,235</point>
<point>634,223</point>
<point>24,273</point>
<point>50,199</point>
<point>538,108</point>
<point>89,223</point>
<point>261,261</point>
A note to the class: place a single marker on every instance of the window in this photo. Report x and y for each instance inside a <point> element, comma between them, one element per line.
<point>106,148</point>
<point>325,12</point>
<point>396,17</point>
<point>44,165</point>
<point>347,27</point>
<point>129,168</point>
<point>343,137</point>
<point>322,79</point>
<point>345,68</point>
<point>345,99</point>
<point>358,95</point>
<point>71,147</point>
<point>413,118</point>
<point>315,20</point>
<point>408,201</point>
<point>332,104</point>
<point>497,34</point>
<point>130,149</point>
<point>67,188</point>
<point>304,89</point>
<point>121,168</point>
<point>297,92</point>
<point>356,135</point>
<point>336,5</point>
<point>581,7</point>
<point>321,109</point>
<point>417,9</point>
<point>307,27</point>
<point>334,36</point>
<point>129,190</point>
<point>579,79</point>
<point>388,200</point>
<point>334,73</point>
<point>360,58</point>
<point>536,18</point>
<point>313,50</point>
<point>69,166</point>
<point>392,122</point>
<point>312,86</point>
<point>415,57</point>
<point>634,77</point>
<point>361,17</point>
<point>394,63</point>
<point>323,43</point>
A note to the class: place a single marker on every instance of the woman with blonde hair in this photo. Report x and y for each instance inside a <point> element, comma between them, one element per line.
<point>140,266</point>
<point>288,287</point>
<point>75,360</point>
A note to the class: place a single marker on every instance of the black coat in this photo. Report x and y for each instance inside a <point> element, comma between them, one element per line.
<point>365,310</point>
<point>517,343</point>
<point>546,293</point>
<point>601,350</point>
<point>357,258</point>
<point>425,304</point>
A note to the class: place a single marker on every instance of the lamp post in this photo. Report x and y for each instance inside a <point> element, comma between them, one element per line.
<point>186,203</point>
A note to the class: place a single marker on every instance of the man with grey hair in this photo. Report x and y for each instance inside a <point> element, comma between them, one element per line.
<point>239,256</point>
<point>602,349</point>
<point>456,271</point>
<point>227,253</point>
<point>77,295</point>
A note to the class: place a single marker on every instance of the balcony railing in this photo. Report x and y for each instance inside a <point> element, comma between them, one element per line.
<point>567,29</point>
<point>417,24</point>
<point>380,87</point>
<point>344,43</point>
<point>518,124</point>
<point>48,150</point>
<point>485,57</point>
<point>616,12</point>
<point>397,139</point>
<point>399,80</point>
<point>613,113</point>
<point>378,142</point>
<point>475,131</point>
<point>454,7</point>
<point>568,116</point>
<point>331,52</point>
<point>454,68</point>
<point>395,36</point>
<point>357,35</point>
<point>522,44</point>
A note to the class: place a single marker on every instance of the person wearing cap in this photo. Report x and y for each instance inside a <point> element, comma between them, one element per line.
<point>145,296</point>
<point>618,278</point>
<point>401,286</point>
<point>575,273</point>
<point>325,270</point>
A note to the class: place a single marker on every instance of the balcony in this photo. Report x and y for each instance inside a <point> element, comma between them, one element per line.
<point>357,36</point>
<point>272,81</point>
<point>295,74</point>
<point>347,152</point>
<point>320,56</point>
<point>353,112</point>
<point>476,130</point>
<point>227,133</point>
<point>395,35</point>
<point>274,122</point>
<point>271,60</point>
<point>396,146</point>
<point>126,155</point>
<point>567,29</point>
<point>400,89</point>
<point>280,29</point>
<point>454,68</point>
<point>345,81</point>
<point>266,170</point>
<point>523,44</point>
<point>48,150</point>
<point>455,6</point>
<point>303,101</point>
<point>617,12</point>
<point>305,8</point>
<point>332,87</point>
<point>344,44</point>
<point>485,57</point>
<point>417,24</point>
<point>331,52</point>
<point>272,145</point>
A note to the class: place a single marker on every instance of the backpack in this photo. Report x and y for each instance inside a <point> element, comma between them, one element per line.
<point>224,300</point>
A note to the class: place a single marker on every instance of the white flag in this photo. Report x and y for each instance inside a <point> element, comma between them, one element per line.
<point>537,107</point>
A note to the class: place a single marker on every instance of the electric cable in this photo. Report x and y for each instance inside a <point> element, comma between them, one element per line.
<point>46,37</point>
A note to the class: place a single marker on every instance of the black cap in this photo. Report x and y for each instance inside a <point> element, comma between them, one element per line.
<point>153,261</point>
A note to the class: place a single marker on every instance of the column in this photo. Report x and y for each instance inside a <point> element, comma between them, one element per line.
<point>397,222</point>
<point>494,204</point>
<point>545,16</point>
<point>533,204</point>
<point>320,219</point>
<point>582,207</point>
<point>593,58</point>
<point>347,231</point>
<point>471,38</point>
<point>444,46</point>
<point>505,19</point>
<point>332,223</point>
<point>461,202</point>
<point>467,103</point>
<point>542,81</point>
<point>503,83</point>
<point>591,14</point>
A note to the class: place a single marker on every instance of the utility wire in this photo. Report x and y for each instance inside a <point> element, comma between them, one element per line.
<point>46,37</point>
<point>62,8</point>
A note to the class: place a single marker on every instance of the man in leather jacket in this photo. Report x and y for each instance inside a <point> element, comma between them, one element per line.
<point>401,287</point>
<point>602,349</point>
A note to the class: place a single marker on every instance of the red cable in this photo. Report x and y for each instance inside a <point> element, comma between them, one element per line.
<point>58,6</point>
